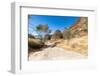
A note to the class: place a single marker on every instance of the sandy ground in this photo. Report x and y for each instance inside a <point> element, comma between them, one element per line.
<point>55,53</point>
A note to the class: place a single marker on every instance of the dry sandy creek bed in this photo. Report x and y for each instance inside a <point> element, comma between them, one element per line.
<point>55,53</point>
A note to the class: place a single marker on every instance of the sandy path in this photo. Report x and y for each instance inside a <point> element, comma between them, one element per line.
<point>55,53</point>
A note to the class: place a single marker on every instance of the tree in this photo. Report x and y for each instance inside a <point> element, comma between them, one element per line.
<point>47,37</point>
<point>67,34</point>
<point>57,34</point>
<point>42,30</point>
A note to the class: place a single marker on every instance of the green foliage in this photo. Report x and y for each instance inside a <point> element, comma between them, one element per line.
<point>41,27</point>
<point>47,37</point>
<point>42,30</point>
<point>67,34</point>
<point>57,34</point>
<point>31,36</point>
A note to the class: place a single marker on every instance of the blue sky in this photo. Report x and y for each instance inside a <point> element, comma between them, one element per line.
<point>54,22</point>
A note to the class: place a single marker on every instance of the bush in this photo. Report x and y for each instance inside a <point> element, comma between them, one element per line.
<point>35,43</point>
<point>47,37</point>
<point>68,34</point>
<point>57,35</point>
<point>30,36</point>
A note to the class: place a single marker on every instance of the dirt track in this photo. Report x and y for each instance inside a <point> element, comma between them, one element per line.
<point>55,53</point>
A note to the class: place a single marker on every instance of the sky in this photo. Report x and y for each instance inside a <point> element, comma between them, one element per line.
<point>54,22</point>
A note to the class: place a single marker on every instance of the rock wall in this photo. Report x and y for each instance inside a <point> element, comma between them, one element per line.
<point>80,28</point>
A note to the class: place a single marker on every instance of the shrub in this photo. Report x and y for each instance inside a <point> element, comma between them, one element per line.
<point>30,36</point>
<point>47,37</point>
<point>57,35</point>
<point>35,43</point>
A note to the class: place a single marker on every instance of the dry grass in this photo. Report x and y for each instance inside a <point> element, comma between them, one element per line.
<point>79,45</point>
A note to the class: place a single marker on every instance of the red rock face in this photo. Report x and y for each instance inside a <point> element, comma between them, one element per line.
<point>80,28</point>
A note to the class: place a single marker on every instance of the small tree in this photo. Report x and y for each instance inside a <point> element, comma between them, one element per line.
<point>42,30</point>
<point>47,37</point>
<point>57,34</point>
<point>39,29</point>
<point>67,34</point>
